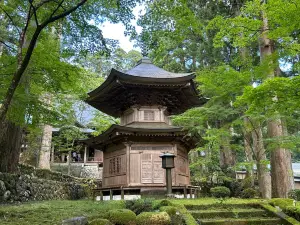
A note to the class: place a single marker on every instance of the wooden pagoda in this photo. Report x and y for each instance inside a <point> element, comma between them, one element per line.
<point>144,97</point>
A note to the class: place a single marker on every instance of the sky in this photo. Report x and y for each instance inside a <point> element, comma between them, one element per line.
<point>116,31</point>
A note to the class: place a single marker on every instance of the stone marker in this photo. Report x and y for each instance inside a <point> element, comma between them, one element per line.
<point>75,221</point>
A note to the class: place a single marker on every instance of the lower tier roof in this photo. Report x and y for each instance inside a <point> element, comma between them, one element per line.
<point>153,133</point>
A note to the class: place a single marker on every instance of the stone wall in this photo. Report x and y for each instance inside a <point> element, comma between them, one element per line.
<point>31,184</point>
<point>91,170</point>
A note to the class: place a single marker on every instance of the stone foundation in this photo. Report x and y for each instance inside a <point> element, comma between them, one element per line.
<point>32,184</point>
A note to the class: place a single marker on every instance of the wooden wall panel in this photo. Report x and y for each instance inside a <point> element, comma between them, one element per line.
<point>135,168</point>
<point>114,181</point>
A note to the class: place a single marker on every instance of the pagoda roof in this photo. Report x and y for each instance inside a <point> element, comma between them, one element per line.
<point>145,84</point>
<point>117,132</point>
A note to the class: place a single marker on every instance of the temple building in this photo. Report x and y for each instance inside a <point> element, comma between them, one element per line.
<point>144,97</point>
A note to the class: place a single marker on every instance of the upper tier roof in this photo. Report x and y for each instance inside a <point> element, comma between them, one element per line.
<point>145,68</point>
<point>145,85</point>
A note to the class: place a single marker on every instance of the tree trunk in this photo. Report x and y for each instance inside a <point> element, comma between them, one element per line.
<point>248,152</point>
<point>227,158</point>
<point>69,163</point>
<point>263,174</point>
<point>280,157</point>
<point>10,146</point>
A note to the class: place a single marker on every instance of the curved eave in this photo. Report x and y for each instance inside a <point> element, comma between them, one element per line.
<point>116,76</point>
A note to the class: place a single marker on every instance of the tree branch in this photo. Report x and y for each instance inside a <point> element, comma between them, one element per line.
<point>34,12</point>
<point>23,65</point>
<point>11,19</point>
<point>12,48</point>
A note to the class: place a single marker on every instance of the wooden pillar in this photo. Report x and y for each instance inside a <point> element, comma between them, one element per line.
<point>191,192</point>
<point>184,192</point>
<point>101,195</point>
<point>84,156</point>
<point>196,193</point>
<point>122,193</point>
<point>111,194</point>
<point>128,147</point>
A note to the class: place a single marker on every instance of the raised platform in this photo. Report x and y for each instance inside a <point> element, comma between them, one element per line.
<point>128,193</point>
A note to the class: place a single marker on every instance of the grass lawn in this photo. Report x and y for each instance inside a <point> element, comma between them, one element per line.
<point>53,212</point>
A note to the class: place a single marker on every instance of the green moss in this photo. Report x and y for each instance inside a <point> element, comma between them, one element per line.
<point>282,202</point>
<point>153,218</point>
<point>121,216</point>
<point>100,222</point>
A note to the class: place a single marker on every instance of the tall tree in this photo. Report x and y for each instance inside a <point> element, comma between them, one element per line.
<point>27,62</point>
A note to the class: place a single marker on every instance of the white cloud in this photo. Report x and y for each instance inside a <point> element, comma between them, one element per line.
<point>116,31</point>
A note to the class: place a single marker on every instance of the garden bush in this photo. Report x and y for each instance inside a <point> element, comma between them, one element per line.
<point>140,205</point>
<point>220,192</point>
<point>249,193</point>
<point>158,204</point>
<point>153,218</point>
<point>175,215</point>
<point>100,222</point>
<point>121,217</point>
<point>171,210</point>
<point>294,194</point>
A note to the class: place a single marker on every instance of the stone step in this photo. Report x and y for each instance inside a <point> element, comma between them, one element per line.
<point>229,213</point>
<point>222,206</point>
<point>239,221</point>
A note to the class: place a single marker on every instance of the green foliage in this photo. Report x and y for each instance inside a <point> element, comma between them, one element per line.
<point>171,210</point>
<point>249,193</point>
<point>282,203</point>
<point>220,192</point>
<point>294,194</point>
<point>139,205</point>
<point>153,218</point>
<point>121,217</point>
<point>100,222</point>
<point>66,138</point>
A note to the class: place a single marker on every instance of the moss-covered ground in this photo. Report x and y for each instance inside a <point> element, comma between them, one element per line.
<point>53,212</point>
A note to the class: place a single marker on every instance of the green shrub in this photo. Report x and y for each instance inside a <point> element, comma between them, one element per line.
<point>121,217</point>
<point>220,192</point>
<point>175,215</point>
<point>249,193</point>
<point>294,194</point>
<point>140,205</point>
<point>153,218</point>
<point>171,210</point>
<point>158,204</point>
<point>100,222</point>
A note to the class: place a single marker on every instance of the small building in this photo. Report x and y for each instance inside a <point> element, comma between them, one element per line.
<point>144,98</point>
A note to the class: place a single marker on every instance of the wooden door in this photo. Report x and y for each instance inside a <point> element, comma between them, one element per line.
<point>152,172</point>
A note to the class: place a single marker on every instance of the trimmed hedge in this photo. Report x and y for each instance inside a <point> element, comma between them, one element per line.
<point>183,212</point>
<point>220,192</point>
<point>171,210</point>
<point>121,217</point>
<point>153,218</point>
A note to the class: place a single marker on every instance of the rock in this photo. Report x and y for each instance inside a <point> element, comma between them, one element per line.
<point>6,195</point>
<point>2,187</point>
<point>75,221</point>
